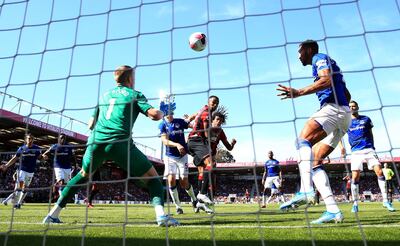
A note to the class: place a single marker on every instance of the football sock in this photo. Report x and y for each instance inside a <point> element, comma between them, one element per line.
<point>156,191</point>
<point>354,191</point>
<point>190,192</point>
<point>22,197</point>
<point>305,162</point>
<point>321,182</point>
<point>55,211</point>
<point>382,187</point>
<point>173,191</point>
<point>9,197</point>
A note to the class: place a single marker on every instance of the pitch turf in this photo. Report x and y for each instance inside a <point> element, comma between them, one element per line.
<point>233,224</point>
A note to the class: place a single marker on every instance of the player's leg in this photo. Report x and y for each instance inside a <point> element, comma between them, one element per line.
<point>183,174</point>
<point>267,186</point>
<point>334,120</point>
<point>92,159</point>
<point>5,201</point>
<point>172,186</point>
<point>200,151</point>
<point>373,163</point>
<point>27,183</point>
<point>356,167</point>
<point>140,166</point>
<point>319,176</point>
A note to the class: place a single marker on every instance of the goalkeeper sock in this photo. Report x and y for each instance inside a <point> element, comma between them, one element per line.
<point>55,211</point>
<point>156,191</point>
<point>305,162</point>
<point>382,187</point>
<point>70,190</point>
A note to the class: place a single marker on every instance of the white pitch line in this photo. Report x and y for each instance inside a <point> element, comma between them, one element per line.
<point>201,226</point>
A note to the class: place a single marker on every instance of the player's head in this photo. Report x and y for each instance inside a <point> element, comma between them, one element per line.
<point>213,102</point>
<point>62,138</point>
<point>29,139</point>
<point>219,116</point>
<point>354,107</point>
<point>125,75</point>
<point>307,49</point>
<point>270,154</point>
<point>385,165</point>
<point>169,117</point>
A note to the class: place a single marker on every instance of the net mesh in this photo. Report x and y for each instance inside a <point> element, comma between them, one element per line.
<point>61,54</point>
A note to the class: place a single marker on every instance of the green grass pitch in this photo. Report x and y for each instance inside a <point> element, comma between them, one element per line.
<point>233,224</point>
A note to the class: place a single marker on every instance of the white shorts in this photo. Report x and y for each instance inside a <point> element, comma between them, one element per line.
<point>365,155</point>
<point>335,120</point>
<point>176,166</point>
<point>272,180</point>
<point>24,177</point>
<point>62,174</point>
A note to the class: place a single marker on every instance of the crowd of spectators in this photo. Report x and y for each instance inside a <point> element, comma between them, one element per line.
<point>112,186</point>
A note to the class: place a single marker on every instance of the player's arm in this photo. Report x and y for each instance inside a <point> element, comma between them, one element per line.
<point>342,149</point>
<point>93,119</point>
<point>45,155</point>
<point>154,114</point>
<point>264,176</point>
<point>229,146</point>
<point>173,144</point>
<point>322,83</point>
<point>11,162</point>
<point>189,118</point>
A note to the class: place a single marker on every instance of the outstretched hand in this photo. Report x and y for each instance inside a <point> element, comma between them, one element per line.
<point>287,92</point>
<point>167,108</point>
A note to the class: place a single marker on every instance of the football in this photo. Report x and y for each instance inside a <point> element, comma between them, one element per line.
<point>198,41</point>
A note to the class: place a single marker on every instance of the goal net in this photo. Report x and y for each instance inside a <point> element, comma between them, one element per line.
<point>58,56</point>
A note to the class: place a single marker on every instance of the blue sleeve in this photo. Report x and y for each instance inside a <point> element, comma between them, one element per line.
<point>320,62</point>
<point>19,151</point>
<point>370,124</point>
<point>184,124</point>
<point>53,148</point>
<point>162,128</point>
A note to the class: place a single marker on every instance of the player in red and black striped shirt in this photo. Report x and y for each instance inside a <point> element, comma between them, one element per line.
<point>199,147</point>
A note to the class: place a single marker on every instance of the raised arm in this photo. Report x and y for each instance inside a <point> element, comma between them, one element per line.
<point>154,114</point>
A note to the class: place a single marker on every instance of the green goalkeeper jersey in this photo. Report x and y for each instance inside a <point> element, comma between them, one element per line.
<point>116,113</point>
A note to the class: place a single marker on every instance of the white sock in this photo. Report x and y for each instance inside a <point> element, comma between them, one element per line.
<point>269,199</point>
<point>263,199</point>
<point>159,210</point>
<point>305,163</point>
<point>23,197</point>
<point>18,196</point>
<point>173,191</point>
<point>9,197</point>
<point>321,182</point>
<point>190,192</point>
<point>382,187</point>
<point>355,192</point>
<point>55,211</point>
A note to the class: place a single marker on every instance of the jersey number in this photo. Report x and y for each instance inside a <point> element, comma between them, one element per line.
<point>110,107</point>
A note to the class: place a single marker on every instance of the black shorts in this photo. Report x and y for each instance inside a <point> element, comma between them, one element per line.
<point>200,150</point>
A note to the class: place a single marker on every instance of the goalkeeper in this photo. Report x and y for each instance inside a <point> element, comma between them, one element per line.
<point>112,124</point>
